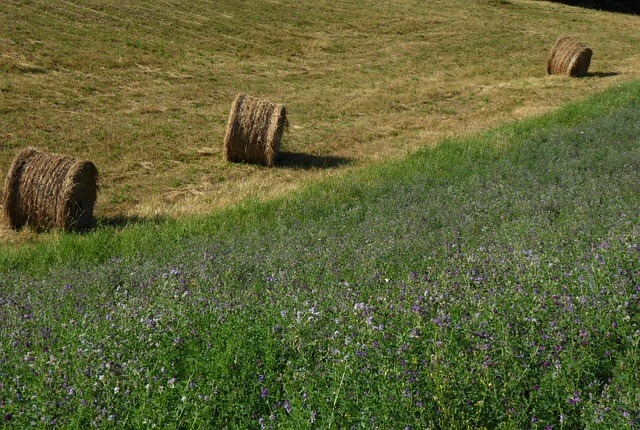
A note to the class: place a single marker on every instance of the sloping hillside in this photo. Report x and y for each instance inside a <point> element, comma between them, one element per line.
<point>143,89</point>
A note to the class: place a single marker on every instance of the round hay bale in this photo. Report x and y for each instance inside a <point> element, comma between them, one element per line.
<point>46,190</point>
<point>254,130</point>
<point>568,57</point>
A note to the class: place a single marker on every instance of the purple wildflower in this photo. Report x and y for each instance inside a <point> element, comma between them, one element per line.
<point>575,398</point>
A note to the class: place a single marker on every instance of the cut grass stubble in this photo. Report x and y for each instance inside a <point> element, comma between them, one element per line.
<point>143,91</point>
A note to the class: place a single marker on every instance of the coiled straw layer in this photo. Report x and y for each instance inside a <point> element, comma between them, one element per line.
<point>45,190</point>
<point>568,57</point>
<point>254,130</point>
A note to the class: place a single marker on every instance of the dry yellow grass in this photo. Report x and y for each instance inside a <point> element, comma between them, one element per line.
<point>143,89</point>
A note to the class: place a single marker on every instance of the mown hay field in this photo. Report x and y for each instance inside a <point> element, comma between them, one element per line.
<point>143,89</point>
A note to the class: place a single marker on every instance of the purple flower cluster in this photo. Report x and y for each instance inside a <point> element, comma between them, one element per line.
<point>489,332</point>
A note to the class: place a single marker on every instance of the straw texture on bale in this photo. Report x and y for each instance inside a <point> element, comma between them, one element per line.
<point>568,57</point>
<point>45,190</point>
<point>254,130</point>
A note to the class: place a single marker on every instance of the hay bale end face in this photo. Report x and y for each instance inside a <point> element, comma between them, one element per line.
<point>45,190</point>
<point>254,130</point>
<point>568,57</point>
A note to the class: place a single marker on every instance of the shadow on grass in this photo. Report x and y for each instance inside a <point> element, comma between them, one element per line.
<point>120,221</point>
<point>630,7</point>
<point>601,74</point>
<point>299,160</point>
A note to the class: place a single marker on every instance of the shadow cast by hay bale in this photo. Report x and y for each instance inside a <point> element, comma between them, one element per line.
<point>299,160</point>
<point>601,74</point>
<point>119,221</point>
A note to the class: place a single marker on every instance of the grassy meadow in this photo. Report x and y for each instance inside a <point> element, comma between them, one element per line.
<point>143,89</point>
<point>491,282</point>
<point>451,239</point>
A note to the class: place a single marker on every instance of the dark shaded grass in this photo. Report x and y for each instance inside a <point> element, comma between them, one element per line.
<point>488,283</point>
<point>627,6</point>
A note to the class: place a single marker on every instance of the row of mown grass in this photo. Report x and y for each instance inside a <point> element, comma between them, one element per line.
<point>487,283</point>
<point>144,89</point>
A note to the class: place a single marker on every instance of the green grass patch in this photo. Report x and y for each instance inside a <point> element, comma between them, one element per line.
<point>487,283</point>
<point>449,162</point>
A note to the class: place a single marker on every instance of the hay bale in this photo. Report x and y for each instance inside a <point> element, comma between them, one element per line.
<point>568,57</point>
<point>254,130</point>
<point>46,190</point>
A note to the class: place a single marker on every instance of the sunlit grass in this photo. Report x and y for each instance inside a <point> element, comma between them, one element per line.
<point>143,89</point>
<point>481,284</point>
